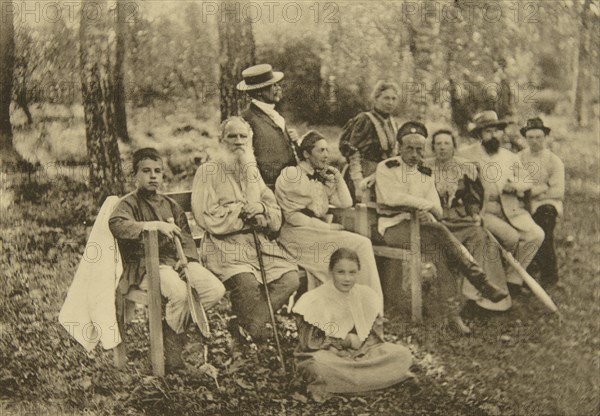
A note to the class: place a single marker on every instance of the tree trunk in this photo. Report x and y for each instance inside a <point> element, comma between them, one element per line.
<point>97,51</point>
<point>237,49</point>
<point>22,102</point>
<point>7,57</point>
<point>581,78</point>
<point>422,34</point>
<point>119,74</point>
<point>504,101</point>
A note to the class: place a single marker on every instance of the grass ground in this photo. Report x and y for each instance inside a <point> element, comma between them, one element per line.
<point>522,362</point>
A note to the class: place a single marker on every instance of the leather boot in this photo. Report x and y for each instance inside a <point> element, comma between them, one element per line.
<point>459,325</point>
<point>477,277</point>
<point>174,344</point>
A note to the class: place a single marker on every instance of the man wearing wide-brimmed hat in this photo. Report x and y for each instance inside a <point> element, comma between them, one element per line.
<point>547,173</point>
<point>273,142</point>
<point>505,183</point>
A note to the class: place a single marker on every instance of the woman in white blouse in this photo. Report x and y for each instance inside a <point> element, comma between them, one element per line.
<point>304,193</point>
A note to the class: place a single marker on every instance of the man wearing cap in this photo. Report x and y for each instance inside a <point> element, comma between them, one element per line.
<point>505,184</point>
<point>403,181</point>
<point>547,173</point>
<point>274,146</point>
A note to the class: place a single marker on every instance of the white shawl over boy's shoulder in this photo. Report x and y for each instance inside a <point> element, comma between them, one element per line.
<point>89,312</point>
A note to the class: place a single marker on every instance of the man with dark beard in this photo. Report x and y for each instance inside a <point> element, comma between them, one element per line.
<point>229,201</point>
<point>505,182</point>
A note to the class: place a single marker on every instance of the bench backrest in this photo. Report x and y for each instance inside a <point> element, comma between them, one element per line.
<point>184,199</point>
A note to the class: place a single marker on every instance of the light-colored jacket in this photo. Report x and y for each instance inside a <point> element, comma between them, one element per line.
<point>547,173</point>
<point>497,171</point>
<point>398,184</point>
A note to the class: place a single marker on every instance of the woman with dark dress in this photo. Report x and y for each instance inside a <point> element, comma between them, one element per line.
<point>370,137</point>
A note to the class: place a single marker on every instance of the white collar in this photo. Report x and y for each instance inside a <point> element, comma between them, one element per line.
<point>336,313</point>
<point>264,106</point>
<point>269,110</point>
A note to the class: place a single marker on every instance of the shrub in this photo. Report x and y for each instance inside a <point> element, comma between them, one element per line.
<point>546,101</point>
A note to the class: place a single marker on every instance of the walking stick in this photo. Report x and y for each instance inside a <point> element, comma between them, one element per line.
<point>263,275</point>
<point>196,309</point>
<point>535,287</point>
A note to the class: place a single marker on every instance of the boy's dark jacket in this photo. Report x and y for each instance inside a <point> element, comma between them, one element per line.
<point>126,224</point>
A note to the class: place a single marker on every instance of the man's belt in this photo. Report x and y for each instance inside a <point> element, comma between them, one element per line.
<point>242,231</point>
<point>309,213</point>
<point>494,198</point>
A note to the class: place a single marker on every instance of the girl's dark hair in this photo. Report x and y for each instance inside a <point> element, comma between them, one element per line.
<point>343,254</point>
<point>308,142</point>
<point>145,153</point>
<point>444,131</point>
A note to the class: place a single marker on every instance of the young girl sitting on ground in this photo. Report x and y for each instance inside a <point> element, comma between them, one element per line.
<point>340,331</point>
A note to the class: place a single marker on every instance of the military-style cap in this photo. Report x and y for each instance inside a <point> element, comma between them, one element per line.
<point>411,127</point>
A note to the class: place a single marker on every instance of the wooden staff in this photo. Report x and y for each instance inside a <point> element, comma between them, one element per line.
<point>535,287</point>
<point>263,275</point>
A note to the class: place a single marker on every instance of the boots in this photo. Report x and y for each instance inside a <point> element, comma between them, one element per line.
<point>174,344</point>
<point>477,277</point>
<point>459,325</point>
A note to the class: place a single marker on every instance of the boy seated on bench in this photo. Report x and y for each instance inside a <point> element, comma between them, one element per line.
<point>146,209</point>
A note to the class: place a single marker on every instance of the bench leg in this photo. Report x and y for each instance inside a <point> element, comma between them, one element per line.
<point>120,351</point>
<point>415,268</point>
<point>157,352</point>
<point>154,305</point>
<point>120,355</point>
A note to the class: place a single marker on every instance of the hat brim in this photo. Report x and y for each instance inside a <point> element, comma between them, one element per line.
<point>498,124</point>
<point>277,76</point>
<point>545,129</point>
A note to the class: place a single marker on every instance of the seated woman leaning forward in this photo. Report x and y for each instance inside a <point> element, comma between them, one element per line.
<point>304,193</point>
<point>462,196</point>
<point>340,332</point>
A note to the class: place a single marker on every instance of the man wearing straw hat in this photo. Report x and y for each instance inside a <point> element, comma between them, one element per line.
<point>274,145</point>
<point>505,183</point>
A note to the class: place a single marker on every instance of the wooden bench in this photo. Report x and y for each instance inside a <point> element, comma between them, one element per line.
<point>361,219</point>
<point>151,298</point>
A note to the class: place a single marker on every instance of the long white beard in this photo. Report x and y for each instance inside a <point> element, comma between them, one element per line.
<point>243,166</point>
<point>221,153</point>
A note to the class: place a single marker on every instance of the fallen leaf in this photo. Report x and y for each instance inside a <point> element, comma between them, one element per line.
<point>299,397</point>
<point>211,371</point>
<point>86,383</point>
<point>243,384</point>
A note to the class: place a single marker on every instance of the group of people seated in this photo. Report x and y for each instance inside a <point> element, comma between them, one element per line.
<point>263,182</point>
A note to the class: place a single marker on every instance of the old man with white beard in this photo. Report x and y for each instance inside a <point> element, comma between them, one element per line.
<point>229,200</point>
